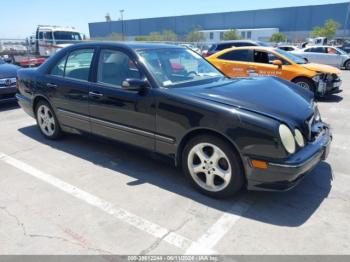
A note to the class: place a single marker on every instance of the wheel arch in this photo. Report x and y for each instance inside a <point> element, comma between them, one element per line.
<point>301,76</point>
<point>206,131</point>
<point>36,100</point>
<point>345,62</point>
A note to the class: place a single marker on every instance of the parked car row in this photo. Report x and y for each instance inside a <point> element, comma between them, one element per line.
<point>262,133</point>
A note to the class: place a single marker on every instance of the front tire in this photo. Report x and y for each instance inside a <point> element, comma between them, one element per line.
<point>47,121</point>
<point>305,83</point>
<point>213,166</point>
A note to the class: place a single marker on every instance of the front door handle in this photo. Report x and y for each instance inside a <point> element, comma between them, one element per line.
<point>50,85</point>
<point>251,70</point>
<point>95,95</point>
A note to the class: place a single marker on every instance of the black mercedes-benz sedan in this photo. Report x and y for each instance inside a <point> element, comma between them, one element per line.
<point>260,133</point>
<point>8,74</point>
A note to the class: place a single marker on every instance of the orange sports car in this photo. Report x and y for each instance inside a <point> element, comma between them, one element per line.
<point>266,61</point>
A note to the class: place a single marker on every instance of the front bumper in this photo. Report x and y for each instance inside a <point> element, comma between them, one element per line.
<point>326,86</point>
<point>7,93</point>
<point>282,176</point>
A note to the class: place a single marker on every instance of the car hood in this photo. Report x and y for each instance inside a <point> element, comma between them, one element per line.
<point>321,68</point>
<point>8,70</point>
<point>269,96</point>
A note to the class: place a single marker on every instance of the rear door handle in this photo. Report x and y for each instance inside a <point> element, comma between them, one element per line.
<point>50,85</point>
<point>95,95</point>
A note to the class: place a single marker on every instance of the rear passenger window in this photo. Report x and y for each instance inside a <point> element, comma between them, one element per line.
<point>78,64</point>
<point>58,70</point>
<point>238,55</point>
<point>316,50</point>
<point>114,67</point>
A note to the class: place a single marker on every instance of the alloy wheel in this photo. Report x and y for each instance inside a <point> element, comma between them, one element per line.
<point>303,85</point>
<point>46,120</point>
<point>209,167</point>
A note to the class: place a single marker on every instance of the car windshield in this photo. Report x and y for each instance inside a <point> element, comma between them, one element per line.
<point>342,52</point>
<point>294,58</point>
<point>260,43</point>
<point>64,37</point>
<point>172,67</point>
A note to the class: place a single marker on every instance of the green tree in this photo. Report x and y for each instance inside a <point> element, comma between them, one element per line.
<point>169,35</point>
<point>195,36</point>
<point>278,37</point>
<point>115,37</point>
<point>155,36</point>
<point>328,30</point>
<point>231,35</point>
<point>141,38</point>
<point>111,37</point>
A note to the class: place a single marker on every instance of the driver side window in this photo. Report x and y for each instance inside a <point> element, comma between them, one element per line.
<point>114,67</point>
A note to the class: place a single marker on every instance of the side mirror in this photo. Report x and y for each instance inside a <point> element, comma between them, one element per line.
<point>277,63</point>
<point>133,84</point>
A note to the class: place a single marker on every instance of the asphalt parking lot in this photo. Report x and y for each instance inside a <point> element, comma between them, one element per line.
<point>85,196</point>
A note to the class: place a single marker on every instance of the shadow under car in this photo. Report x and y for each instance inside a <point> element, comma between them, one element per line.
<point>292,208</point>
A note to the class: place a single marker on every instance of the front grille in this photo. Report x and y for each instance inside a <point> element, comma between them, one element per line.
<point>7,82</point>
<point>13,85</point>
<point>312,125</point>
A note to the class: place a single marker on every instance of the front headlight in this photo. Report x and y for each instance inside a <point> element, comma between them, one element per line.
<point>317,78</point>
<point>317,114</point>
<point>299,138</point>
<point>287,139</point>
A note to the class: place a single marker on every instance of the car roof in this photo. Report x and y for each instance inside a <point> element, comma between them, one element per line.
<point>326,46</point>
<point>264,48</point>
<point>234,41</point>
<point>261,48</point>
<point>128,45</point>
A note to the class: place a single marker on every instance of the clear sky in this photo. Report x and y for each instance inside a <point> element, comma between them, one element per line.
<point>19,18</point>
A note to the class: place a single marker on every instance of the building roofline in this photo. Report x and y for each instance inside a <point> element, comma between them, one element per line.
<point>227,12</point>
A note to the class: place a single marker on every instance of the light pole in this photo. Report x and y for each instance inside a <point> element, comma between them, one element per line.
<point>122,20</point>
<point>346,18</point>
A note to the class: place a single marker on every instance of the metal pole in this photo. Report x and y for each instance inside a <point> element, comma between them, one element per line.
<point>346,19</point>
<point>122,20</point>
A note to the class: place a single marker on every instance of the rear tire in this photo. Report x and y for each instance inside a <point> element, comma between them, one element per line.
<point>47,121</point>
<point>213,166</point>
<point>305,83</point>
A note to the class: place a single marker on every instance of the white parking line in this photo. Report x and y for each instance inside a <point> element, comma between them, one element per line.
<point>217,231</point>
<point>121,214</point>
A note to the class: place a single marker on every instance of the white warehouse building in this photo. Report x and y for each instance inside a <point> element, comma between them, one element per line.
<point>256,34</point>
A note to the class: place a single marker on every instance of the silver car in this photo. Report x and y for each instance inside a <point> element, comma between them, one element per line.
<point>328,55</point>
